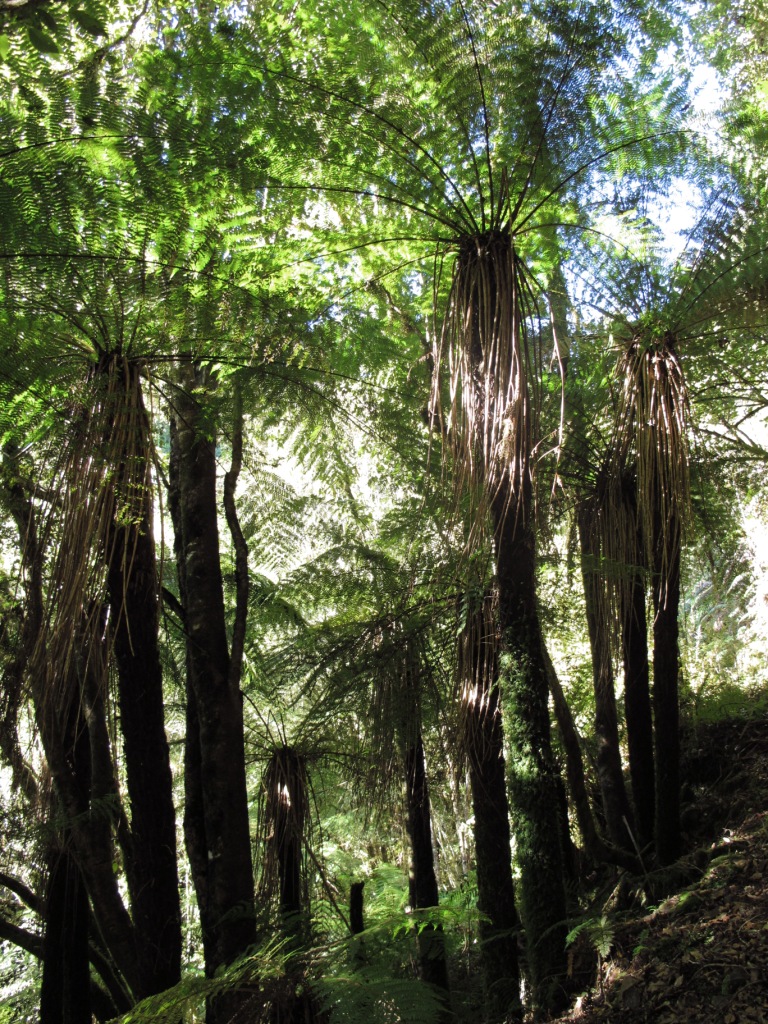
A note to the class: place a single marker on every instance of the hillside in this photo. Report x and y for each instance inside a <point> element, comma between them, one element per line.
<point>701,954</point>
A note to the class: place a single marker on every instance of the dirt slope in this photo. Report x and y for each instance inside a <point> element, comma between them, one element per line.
<point>701,955</point>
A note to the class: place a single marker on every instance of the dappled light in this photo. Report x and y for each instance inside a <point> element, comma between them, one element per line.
<point>383,512</point>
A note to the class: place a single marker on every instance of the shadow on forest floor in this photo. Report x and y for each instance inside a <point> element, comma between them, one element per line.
<point>701,955</point>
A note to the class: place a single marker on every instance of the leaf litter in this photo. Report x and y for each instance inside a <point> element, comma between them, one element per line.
<point>700,955</point>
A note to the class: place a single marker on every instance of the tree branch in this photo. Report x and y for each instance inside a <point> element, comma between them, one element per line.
<point>241,547</point>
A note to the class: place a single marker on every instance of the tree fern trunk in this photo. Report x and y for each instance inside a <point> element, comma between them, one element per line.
<point>422,880</point>
<point>92,842</point>
<point>493,455</point>
<point>65,989</point>
<point>637,708</point>
<point>132,581</point>
<point>666,711</point>
<point>532,773</point>
<point>618,816</point>
<point>215,755</point>
<point>484,743</point>
<point>637,690</point>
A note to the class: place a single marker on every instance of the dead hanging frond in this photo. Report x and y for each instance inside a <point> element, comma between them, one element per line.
<point>477,667</point>
<point>652,430</point>
<point>486,342</point>
<point>104,478</point>
<point>285,817</point>
<point>614,519</point>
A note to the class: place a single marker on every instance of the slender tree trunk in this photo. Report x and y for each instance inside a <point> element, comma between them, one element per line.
<point>637,690</point>
<point>484,743</point>
<point>666,711</point>
<point>618,816</point>
<point>357,924</point>
<point>287,803</point>
<point>594,844</point>
<point>216,826</point>
<point>422,880</point>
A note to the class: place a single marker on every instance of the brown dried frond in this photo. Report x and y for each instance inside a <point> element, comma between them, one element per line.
<point>478,673</point>
<point>285,811</point>
<point>485,341</point>
<point>652,426</point>
<point>621,546</point>
<point>104,478</point>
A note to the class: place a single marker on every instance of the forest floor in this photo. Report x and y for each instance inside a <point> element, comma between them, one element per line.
<point>700,955</point>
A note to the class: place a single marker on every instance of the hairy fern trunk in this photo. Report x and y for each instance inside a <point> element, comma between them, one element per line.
<point>493,455</point>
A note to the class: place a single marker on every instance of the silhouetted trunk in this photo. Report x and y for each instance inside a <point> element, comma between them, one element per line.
<point>357,923</point>
<point>574,767</point>
<point>132,581</point>
<point>194,817</point>
<point>637,690</point>
<point>666,711</point>
<point>65,991</point>
<point>484,744</point>
<point>618,816</point>
<point>287,799</point>
<point>422,880</point>
<point>216,823</point>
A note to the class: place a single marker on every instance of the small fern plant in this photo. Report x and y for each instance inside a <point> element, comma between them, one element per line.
<point>599,932</point>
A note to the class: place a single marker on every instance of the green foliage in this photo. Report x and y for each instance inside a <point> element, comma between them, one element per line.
<point>280,195</point>
<point>599,933</point>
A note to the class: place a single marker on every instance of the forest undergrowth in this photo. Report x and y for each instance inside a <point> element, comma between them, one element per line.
<point>700,952</point>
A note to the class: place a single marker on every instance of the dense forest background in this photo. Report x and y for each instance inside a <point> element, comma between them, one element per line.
<point>383,513</point>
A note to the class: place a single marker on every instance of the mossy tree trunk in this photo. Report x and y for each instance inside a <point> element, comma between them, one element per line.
<point>532,773</point>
